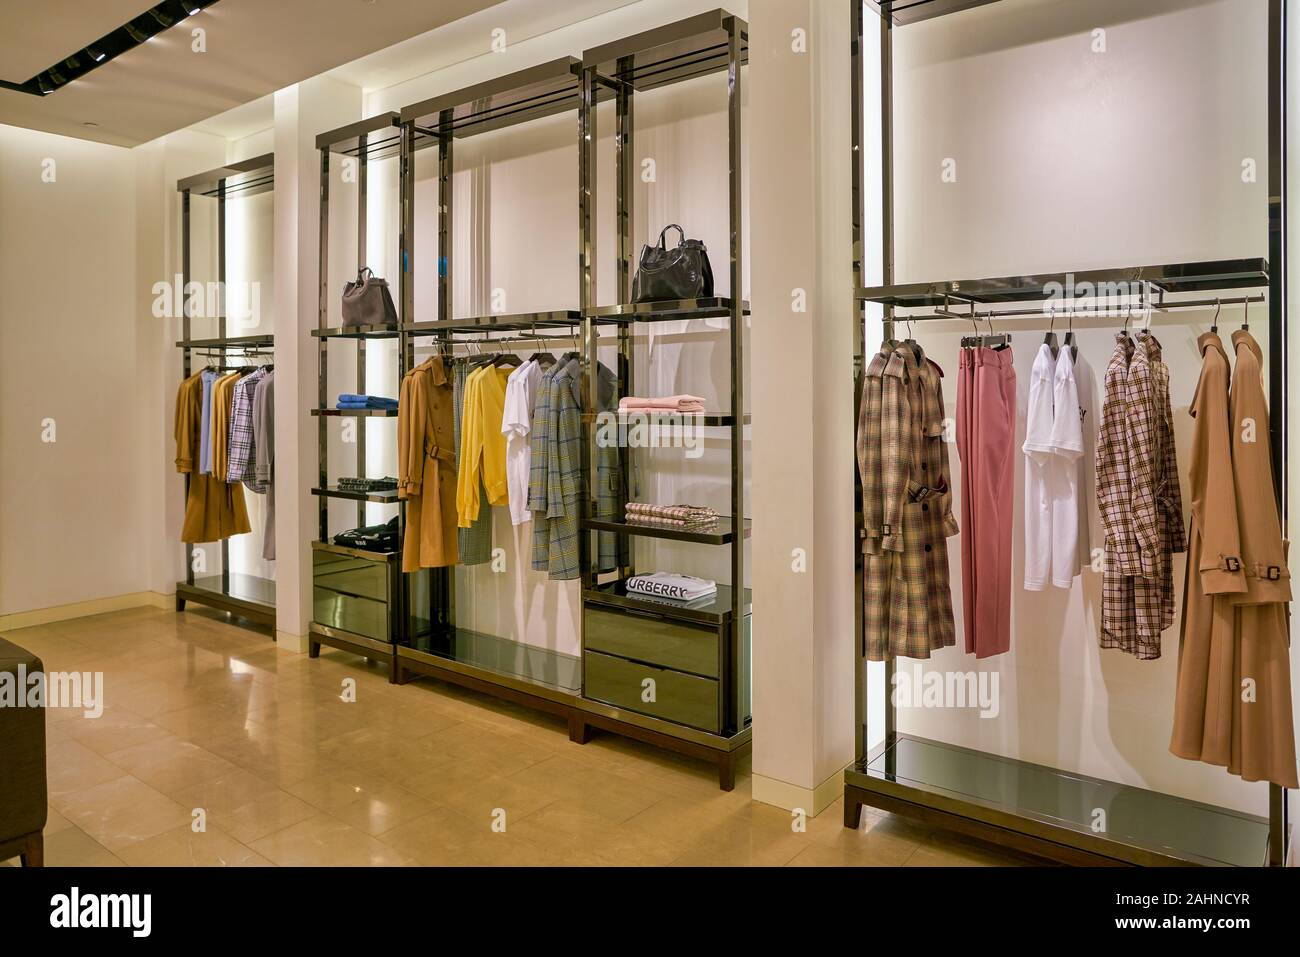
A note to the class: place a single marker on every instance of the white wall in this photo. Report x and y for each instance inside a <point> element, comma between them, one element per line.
<point>71,510</point>
<point>1073,159</point>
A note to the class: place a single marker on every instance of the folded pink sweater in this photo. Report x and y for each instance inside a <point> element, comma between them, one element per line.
<point>668,403</point>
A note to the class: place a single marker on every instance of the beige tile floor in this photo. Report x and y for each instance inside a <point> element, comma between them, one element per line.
<point>202,715</point>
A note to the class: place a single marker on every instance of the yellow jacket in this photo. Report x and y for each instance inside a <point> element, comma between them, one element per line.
<point>482,445</point>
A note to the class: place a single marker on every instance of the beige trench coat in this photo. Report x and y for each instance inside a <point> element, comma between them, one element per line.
<point>1232,707</point>
<point>426,467</point>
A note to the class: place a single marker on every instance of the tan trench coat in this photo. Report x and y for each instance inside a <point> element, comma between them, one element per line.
<point>426,467</point>
<point>213,509</point>
<point>1232,707</point>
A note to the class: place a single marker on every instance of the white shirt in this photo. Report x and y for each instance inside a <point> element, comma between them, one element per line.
<point>516,423</point>
<point>1053,448</point>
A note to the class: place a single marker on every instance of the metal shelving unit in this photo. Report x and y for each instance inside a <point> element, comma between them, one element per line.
<point>353,589</point>
<point>706,44</point>
<point>244,596</point>
<point>423,638</point>
<point>1048,811</point>
<point>445,650</point>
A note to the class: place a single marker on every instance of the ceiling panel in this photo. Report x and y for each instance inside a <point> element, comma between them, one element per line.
<point>36,36</point>
<point>253,48</point>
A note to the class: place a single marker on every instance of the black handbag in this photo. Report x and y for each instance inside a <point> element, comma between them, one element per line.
<point>682,272</point>
<point>367,302</point>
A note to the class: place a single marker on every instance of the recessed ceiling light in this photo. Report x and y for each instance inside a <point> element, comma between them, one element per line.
<point>190,8</point>
<point>96,54</point>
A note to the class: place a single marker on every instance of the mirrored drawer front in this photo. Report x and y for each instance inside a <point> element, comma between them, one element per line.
<point>362,616</point>
<point>350,575</point>
<point>654,639</point>
<point>677,697</point>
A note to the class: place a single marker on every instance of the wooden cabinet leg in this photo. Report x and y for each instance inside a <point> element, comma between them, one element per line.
<point>852,813</point>
<point>578,731</point>
<point>180,603</point>
<point>394,671</point>
<point>313,648</point>
<point>33,855</point>
<point>727,772</point>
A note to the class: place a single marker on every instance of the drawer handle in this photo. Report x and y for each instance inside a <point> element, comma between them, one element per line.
<point>643,614</point>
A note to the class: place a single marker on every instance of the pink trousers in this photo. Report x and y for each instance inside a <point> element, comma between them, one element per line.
<point>986,435</point>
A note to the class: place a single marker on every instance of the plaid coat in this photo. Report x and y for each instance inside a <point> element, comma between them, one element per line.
<point>242,459</point>
<point>907,595</point>
<point>1139,498</point>
<point>556,482</point>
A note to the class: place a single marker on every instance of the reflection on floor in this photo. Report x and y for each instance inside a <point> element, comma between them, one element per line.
<point>203,716</point>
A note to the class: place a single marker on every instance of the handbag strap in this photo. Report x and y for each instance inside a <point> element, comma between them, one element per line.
<point>364,275</point>
<point>681,233</point>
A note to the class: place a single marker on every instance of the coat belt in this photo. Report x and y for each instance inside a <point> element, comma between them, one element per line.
<point>443,455</point>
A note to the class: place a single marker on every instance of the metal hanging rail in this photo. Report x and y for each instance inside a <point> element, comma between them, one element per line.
<point>1030,807</point>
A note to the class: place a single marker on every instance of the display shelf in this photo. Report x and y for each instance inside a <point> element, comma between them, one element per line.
<point>247,596</point>
<point>713,610</point>
<point>1123,281</point>
<point>696,46</point>
<point>356,332</point>
<point>903,12</point>
<point>664,310</point>
<point>228,342</point>
<point>721,533</point>
<point>363,553</point>
<point>515,322</point>
<point>333,491</point>
<point>356,413</point>
<point>1042,804</point>
<point>543,90</point>
<point>667,419</point>
<point>246,178</point>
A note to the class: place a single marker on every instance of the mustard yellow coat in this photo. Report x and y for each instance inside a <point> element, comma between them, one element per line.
<point>426,467</point>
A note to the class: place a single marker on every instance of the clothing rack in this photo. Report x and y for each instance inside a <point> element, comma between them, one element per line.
<point>1044,810</point>
<point>245,596</point>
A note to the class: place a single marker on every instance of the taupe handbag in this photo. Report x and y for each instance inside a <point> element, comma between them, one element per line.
<point>367,302</point>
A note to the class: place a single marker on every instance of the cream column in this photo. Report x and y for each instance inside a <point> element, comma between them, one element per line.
<point>802,369</point>
<point>301,112</point>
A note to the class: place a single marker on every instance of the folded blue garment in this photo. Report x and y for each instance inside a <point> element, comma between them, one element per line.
<point>350,401</point>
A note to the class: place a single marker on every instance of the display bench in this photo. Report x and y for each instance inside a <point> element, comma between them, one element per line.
<point>701,655</point>
<point>249,597</point>
<point>1042,810</point>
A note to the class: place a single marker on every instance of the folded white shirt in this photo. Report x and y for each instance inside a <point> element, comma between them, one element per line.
<point>668,585</point>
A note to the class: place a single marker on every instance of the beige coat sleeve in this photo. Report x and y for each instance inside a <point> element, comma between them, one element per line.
<point>1263,552</point>
<point>1212,482</point>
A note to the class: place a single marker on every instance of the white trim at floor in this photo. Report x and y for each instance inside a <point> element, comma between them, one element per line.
<point>789,796</point>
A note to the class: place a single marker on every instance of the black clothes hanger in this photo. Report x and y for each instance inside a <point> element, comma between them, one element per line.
<point>507,359</point>
<point>1069,339</point>
<point>1050,340</point>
